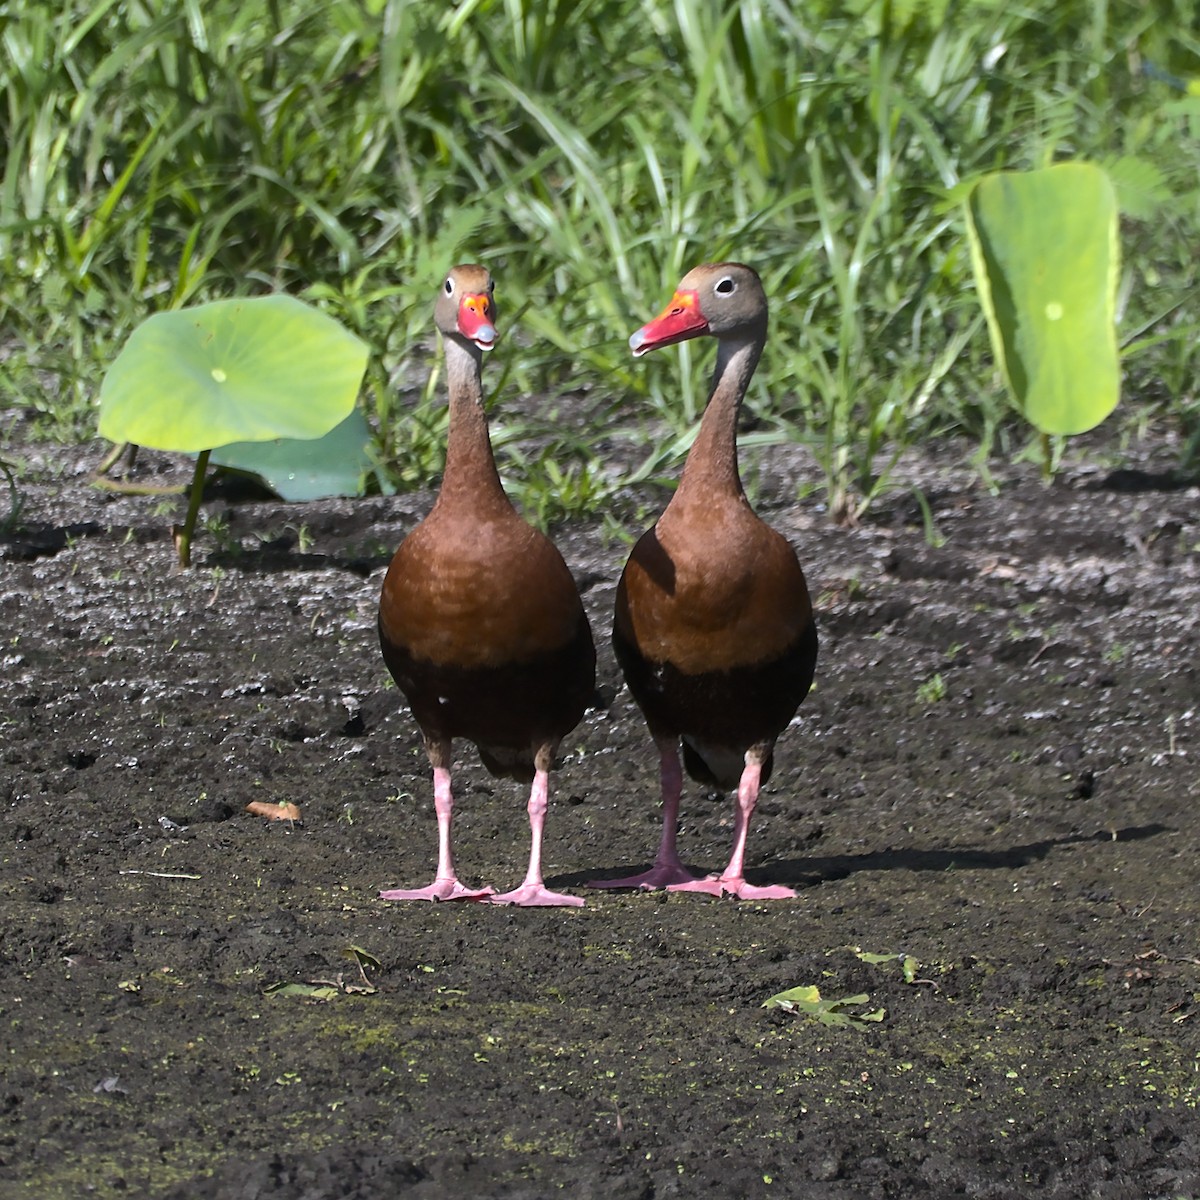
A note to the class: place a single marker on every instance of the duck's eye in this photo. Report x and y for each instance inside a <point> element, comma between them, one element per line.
<point>449,286</point>
<point>726,286</point>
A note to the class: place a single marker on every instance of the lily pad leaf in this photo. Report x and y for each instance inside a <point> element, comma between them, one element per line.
<point>1046,259</point>
<point>310,469</point>
<point>245,370</point>
<point>807,1000</point>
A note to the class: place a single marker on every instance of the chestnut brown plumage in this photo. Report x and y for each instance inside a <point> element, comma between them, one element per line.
<point>714,628</point>
<point>480,621</point>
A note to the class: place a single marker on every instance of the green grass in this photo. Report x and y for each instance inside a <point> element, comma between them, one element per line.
<point>163,152</point>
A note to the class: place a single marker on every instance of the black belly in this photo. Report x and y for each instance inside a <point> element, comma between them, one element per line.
<point>514,706</point>
<point>736,708</point>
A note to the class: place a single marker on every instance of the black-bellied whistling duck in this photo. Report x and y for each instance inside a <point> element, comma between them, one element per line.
<point>713,627</point>
<point>479,620</point>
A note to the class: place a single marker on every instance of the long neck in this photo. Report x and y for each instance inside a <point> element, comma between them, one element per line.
<point>470,467</point>
<point>712,464</point>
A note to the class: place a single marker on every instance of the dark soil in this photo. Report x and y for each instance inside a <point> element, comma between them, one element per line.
<point>1027,830</point>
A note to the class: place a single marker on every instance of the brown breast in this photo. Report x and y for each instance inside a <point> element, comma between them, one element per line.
<point>712,588</point>
<point>470,593</point>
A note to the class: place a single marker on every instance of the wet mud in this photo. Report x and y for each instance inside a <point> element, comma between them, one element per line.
<point>991,793</point>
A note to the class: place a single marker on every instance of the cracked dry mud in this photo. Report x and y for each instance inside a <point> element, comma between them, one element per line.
<point>1026,829</point>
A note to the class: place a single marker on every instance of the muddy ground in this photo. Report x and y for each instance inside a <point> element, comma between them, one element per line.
<point>1026,830</point>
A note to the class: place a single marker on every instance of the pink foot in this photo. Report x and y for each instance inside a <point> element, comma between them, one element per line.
<point>667,871</point>
<point>537,895</point>
<point>718,885</point>
<point>660,875</point>
<point>439,889</point>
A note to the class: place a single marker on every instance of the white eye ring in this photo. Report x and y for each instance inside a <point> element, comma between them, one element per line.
<point>725,286</point>
<point>449,286</point>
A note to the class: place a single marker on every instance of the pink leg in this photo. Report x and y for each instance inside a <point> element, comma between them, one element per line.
<point>733,879</point>
<point>533,892</point>
<point>445,886</point>
<point>668,870</point>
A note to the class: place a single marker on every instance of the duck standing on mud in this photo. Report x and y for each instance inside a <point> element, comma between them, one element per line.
<point>480,621</point>
<point>714,628</point>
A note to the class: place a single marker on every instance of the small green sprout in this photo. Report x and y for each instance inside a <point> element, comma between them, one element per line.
<point>909,966</point>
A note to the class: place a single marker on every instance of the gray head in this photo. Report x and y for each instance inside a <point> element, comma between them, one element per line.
<point>465,308</point>
<point>718,299</point>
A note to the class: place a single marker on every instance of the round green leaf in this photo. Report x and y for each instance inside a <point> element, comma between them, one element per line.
<point>334,465</point>
<point>233,371</point>
<point>1045,253</point>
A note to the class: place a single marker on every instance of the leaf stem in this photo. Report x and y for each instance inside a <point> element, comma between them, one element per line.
<point>183,536</point>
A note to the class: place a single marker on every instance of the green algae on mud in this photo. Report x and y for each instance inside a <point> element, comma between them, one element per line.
<point>1029,835</point>
<point>311,1075</point>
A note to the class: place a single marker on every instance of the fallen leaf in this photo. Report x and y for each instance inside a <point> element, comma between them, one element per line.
<point>273,812</point>
<point>310,991</point>
<point>807,1000</point>
<point>909,966</point>
<point>364,958</point>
